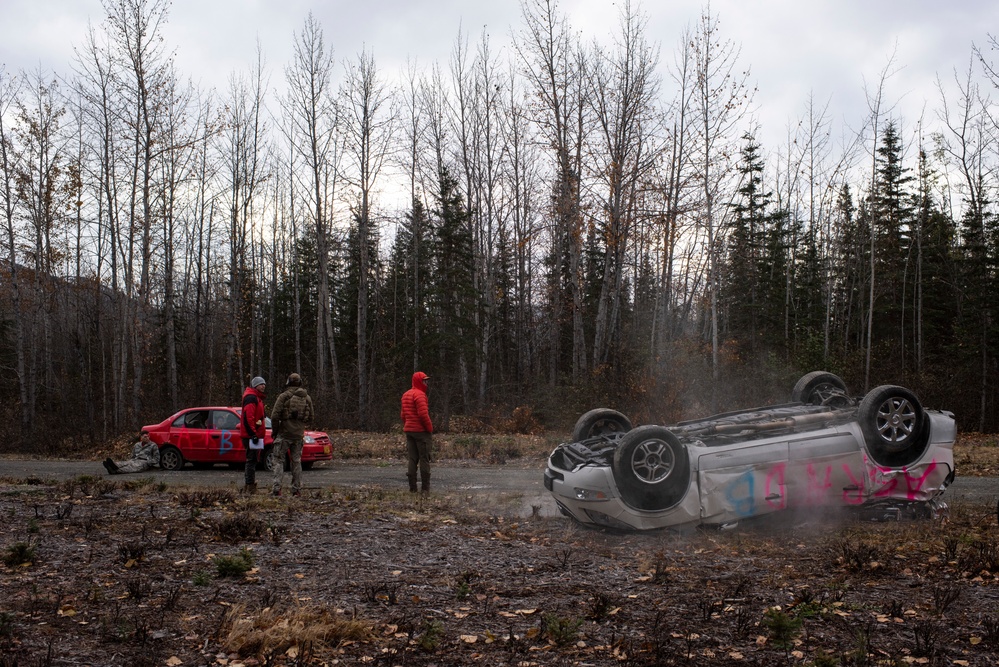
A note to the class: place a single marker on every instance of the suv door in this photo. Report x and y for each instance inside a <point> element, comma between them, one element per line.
<point>743,480</point>
<point>828,468</point>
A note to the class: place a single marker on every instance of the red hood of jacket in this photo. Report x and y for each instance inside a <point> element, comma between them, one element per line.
<point>420,381</point>
<point>256,392</point>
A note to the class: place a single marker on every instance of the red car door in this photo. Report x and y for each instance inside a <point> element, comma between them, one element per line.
<point>189,433</point>
<point>225,442</point>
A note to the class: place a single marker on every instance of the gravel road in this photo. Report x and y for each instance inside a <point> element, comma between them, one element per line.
<point>479,479</point>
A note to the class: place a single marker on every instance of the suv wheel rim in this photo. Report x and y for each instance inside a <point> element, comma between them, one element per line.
<point>896,420</point>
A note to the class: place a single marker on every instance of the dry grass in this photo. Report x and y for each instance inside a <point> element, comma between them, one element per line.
<point>272,632</point>
<point>977,455</point>
<point>482,447</point>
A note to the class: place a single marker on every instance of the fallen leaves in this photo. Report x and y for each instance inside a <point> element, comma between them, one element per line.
<point>518,612</point>
<point>516,584</point>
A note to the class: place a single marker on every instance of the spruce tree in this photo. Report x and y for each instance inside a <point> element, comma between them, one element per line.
<point>452,292</point>
<point>741,295</point>
<point>892,216</point>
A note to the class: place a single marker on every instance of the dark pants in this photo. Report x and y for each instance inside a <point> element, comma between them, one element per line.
<point>253,456</point>
<point>418,449</point>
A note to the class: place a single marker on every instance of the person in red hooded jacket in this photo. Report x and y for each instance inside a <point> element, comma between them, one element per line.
<point>419,431</point>
<point>252,425</point>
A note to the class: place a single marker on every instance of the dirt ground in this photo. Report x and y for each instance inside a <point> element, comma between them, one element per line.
<point>113,575</point>
<point>136,572</point>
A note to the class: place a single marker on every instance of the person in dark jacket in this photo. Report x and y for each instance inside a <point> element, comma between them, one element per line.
<point>253,427</point>
<point>419,431</point>
<point>292,412</point>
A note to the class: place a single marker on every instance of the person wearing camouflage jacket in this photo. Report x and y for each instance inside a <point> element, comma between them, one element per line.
<point>292,412</point>
<point>145,455</point>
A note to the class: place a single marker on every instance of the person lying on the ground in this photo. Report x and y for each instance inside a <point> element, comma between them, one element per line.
<point>145,455</point>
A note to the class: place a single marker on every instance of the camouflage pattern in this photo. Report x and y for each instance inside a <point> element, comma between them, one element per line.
<point>145,455</point>
<point>281,446</point>
<point>292,412</point>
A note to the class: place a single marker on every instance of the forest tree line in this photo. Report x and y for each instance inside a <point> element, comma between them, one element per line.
<point>581,225</point>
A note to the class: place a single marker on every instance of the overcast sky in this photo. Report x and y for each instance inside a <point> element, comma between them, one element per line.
<point>792,47</point>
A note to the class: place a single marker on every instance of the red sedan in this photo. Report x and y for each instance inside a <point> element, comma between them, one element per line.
<point>205,436</point>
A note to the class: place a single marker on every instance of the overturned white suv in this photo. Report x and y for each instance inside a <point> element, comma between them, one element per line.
<point>882,453</point>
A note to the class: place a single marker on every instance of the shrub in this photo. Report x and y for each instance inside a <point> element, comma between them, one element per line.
<point>562,631</point>
<point>234,566</point>
<point>860,555</point>
<point>7,624</point>
<point>20,553</point>
<point>523,421</point>
<point>504,450</point>
<point>433,633</point>
<point>463,588</point>
<point>206,497</point>
<point>242,526</point>
<point>202,578</point>
<point>468,446</point>
<point>823,659</point>
<point>781,627</point>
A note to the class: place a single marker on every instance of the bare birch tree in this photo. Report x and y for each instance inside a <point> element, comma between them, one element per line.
<point>623,89</point>
<point>678,192</point>
<point>479,88</point>
<point>553,64</point>
<point>179,137</point>
<point>721,98</point>
<point>97,82</point>
<point>136,28</point>
<point>242,146</point>
<point>42,191</point>
<point>314,117</point>
<point>370,124</point>
<point>522,182</point>
<point>968,133</point>
<point>9,198</point>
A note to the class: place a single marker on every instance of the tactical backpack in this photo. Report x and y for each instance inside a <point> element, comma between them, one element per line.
<point>296,407</point>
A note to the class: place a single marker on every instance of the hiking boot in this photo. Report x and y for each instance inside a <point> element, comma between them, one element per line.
<point>110,466</point>
<point>250,489</point>
<point>412,483</point>
<point>276,492</point>
<point>296,493</point>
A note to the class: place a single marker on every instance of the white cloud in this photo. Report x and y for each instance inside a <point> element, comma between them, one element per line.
<point>793,48</point>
